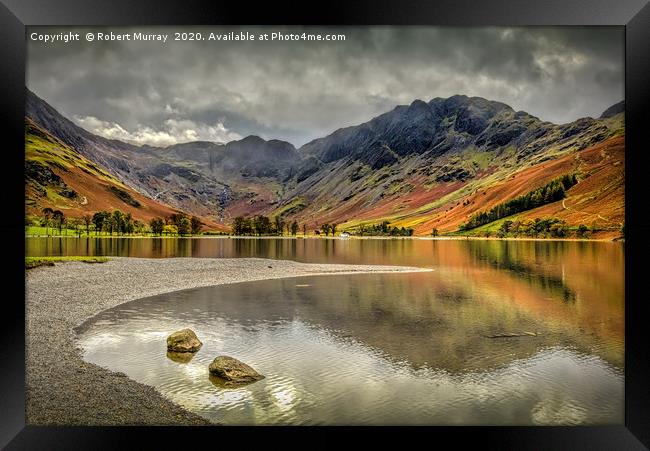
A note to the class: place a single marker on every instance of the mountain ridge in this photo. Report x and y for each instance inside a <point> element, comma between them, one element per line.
<point>424,149</point>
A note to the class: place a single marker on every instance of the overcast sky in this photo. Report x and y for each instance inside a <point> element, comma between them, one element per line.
<point>164,93</point>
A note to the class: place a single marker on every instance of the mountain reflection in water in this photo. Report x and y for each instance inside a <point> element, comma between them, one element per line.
<point>392,348</point>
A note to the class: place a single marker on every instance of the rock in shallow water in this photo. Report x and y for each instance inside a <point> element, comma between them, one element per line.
<point>233,371</point>
<point>183,341</point>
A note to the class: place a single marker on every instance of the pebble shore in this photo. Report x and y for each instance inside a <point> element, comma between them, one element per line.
<point>63,389</point>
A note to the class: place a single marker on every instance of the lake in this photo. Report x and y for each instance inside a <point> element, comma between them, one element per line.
<point>418,348</point>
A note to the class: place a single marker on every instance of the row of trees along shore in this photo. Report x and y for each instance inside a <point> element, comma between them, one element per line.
<point>117,222</point>
<point>263,225</point>
<point>546,228</point>
<point>120,223</point>
<point>177,223</point>
<point>383,229</point>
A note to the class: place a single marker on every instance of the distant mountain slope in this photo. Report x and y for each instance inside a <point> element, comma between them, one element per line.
<point>201,178</point>
<point>415,160</point>
<point>56,176</point>
<point>409,165</point>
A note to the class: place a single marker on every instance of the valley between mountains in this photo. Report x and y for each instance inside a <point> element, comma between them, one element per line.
<point>428,165</point>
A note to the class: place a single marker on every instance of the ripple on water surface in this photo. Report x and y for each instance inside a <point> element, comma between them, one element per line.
<point>370,349</point>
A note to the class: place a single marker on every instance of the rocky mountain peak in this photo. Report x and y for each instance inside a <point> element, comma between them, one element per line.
<point>252,139</point>
<point>614,110</point>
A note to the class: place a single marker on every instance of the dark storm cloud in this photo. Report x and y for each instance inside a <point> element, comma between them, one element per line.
<point>150,92</point>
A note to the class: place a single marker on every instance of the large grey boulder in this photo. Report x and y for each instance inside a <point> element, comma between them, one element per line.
<point>183,341</point>
<point>233,371</point>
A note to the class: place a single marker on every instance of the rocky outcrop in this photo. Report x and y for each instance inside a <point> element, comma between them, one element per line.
<point>232,371</point>
<point>183,341</point>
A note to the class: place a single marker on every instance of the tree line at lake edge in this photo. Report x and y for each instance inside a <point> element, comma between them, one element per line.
<point>180,224</point>
<point>116,222</point>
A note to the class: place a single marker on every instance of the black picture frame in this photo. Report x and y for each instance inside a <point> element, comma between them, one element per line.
<point>634,15</point>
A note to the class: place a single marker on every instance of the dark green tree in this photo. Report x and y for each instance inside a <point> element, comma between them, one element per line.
<point>47,218</point>
<point>559,229</point>
<point>87,220</point>
<point>184,226</point>
<point>238,225</point>
<point>196,225</point>
<point>118,220</point>
<point>583,231</point>
<point>262,225</point>
<point>99,220</point>
<point>506,226</point>
<point>247,226</point>
<point>58,217</point>
<point>326,229</point>
<point>278,225</point>
<point>128,224</point>
<point>157,225</point>
<point>138,226</point>
<point>175,218</point>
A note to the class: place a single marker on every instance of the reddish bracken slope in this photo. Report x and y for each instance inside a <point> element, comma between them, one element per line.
<point>598,199</point>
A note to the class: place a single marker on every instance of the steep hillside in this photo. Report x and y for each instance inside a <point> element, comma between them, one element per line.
<point>409,165</point>
<point>56,176</point>
<point>597,199</point>
<point>202,178</point>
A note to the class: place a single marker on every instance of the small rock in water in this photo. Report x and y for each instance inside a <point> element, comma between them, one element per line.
<point>183,341</point>
<point>232,371</point>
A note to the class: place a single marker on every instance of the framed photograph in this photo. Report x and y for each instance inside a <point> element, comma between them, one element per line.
<point>370,214</point>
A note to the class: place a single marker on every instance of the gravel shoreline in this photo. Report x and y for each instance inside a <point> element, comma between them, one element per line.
<point>62,389</point>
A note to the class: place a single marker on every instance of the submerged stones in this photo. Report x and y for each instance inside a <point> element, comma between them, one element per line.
<point>232,371</point>
<point>183,341</point>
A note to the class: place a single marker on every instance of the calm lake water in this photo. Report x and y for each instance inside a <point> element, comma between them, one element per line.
<point>382,348</point>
